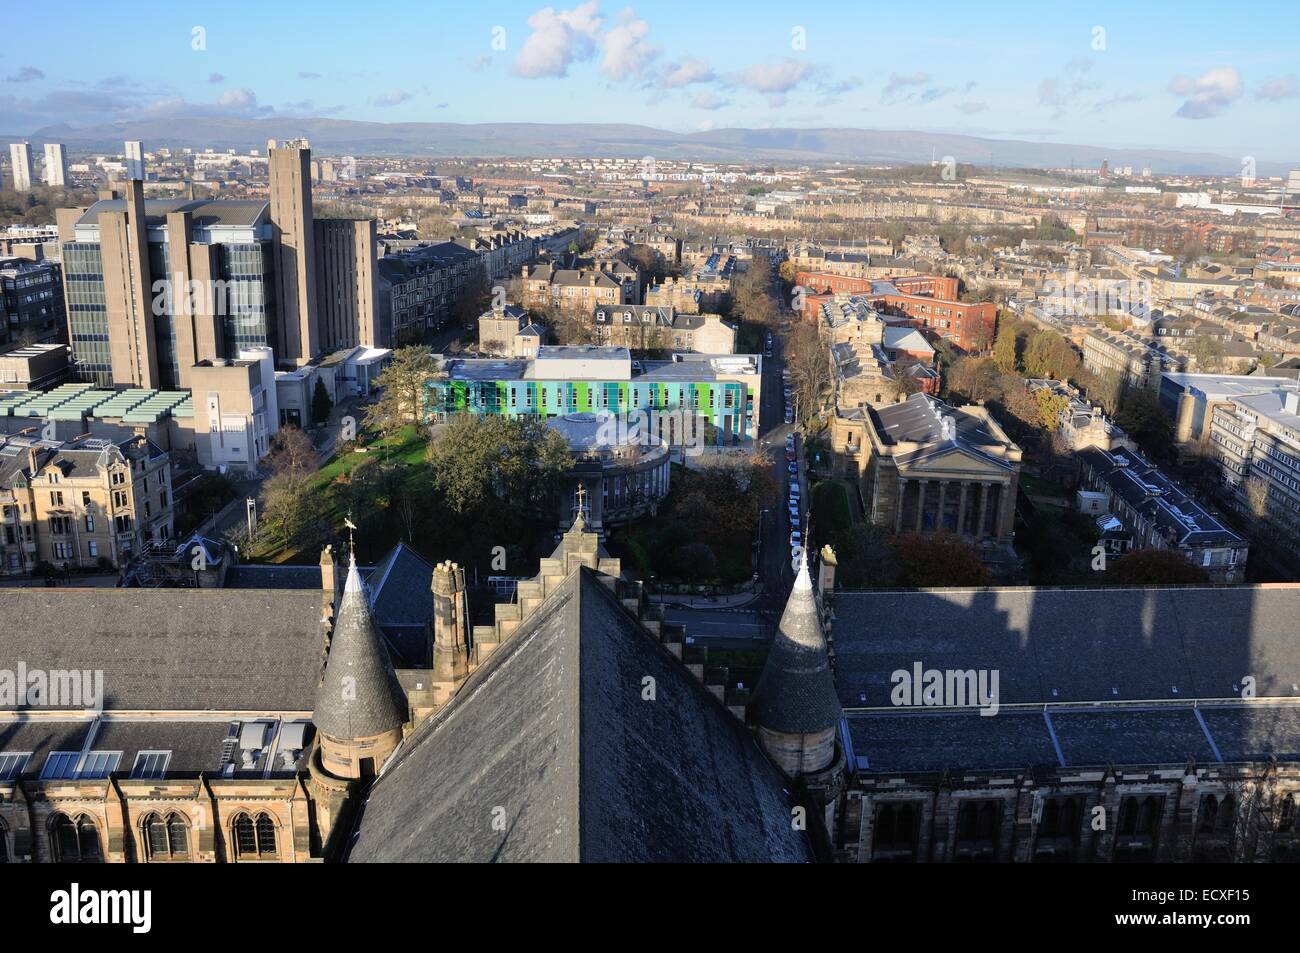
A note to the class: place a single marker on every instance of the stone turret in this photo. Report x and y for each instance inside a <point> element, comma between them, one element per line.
<point>451,630</point>
<point>795,711</point>
<point>360,707</point>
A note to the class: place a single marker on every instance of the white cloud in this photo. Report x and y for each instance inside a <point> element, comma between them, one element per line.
<point>1209,94</point>
<point>677,75</point>
<point>708,100</point>
<point>900,87</point>
<point>778,78</point>
<point>1274,90</point>
<point>393,98</point>
<point>558,40</point>
<point>627,53</point>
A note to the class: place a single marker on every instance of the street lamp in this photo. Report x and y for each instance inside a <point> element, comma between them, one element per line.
<point>250,507</point>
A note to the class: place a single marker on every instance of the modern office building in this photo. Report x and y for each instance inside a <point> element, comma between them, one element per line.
<point>347,277</point>
<point>31,303</point>
<point>56,165</point>
<point>723,390</point>
<point>295,253</point>
<point>134,159</point>
<point>20,161</point>
<point>153,288</point>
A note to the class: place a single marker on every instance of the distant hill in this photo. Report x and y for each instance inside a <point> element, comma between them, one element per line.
<point>338,136</point>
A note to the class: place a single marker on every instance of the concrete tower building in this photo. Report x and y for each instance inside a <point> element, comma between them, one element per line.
<point>56,165</point>
<point>360,707</point>
<point>134,159</point>
<point>20,160</point>
<point>291,217</point>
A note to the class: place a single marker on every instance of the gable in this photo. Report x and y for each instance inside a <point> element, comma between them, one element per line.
<point>552,737</point>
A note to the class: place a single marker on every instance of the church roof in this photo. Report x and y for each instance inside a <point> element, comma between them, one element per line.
<point>172,649</point>
<point>359,695</point>
<point>796,693</point>
<point>552,739</point>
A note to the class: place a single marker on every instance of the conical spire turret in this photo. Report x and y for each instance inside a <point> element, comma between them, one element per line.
<point>359,696</point>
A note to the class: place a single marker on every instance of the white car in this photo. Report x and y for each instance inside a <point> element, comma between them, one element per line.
<point>794,490</point>
<point>796,539</point>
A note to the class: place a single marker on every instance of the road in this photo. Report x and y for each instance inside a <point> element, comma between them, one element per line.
<point>744,628</point>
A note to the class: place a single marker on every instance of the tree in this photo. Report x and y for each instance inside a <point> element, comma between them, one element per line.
<point>403,385</point>
<point>1004,348</point>
<point>1050,407</point>
<point>292,456</point>
<point>940,559</point>
<point>321,405</point>
<point>1154,567</point>
<point>808,359</point>
<point>492,459</point>
<point>1145,420</point>
<point>975,378</point>
<point>1208,352</point>
<point>865,556</point>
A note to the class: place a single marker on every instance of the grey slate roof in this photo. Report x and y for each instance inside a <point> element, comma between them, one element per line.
<point>795,693</point>
<point>359,696</point>
<point>1128,676</point>
<point>1074,645</point>
<point>173,649</point>
<point>552,730</point>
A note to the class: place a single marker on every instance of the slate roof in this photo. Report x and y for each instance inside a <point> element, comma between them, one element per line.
<point>1162,502</point>
<point>553,731</point>
<point>173,649</point>
<point>1098,666</point>
<point>359,696</point>
<point>795,693</point>
<point>1074,645</point>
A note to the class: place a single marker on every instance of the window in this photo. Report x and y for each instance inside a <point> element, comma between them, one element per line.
<point>166,838</point>
<point>99,764</point>
<point>150,764</point>
<point>254,837</point>
<point>61,766</point>
<point>13,764</point>
<point>74,842</point>
<point>56,498</point>
<point>92,549</point>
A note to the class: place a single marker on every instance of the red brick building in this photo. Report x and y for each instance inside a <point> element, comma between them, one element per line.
<point>928,301</point>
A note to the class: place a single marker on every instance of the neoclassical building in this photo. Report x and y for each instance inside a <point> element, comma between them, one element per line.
<point>926,467</point>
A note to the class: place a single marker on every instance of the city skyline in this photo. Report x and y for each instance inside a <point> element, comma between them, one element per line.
<point>1107,76</point>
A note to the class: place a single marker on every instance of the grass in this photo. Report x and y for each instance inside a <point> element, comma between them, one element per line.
<point>406,447</point>
<point>1040,487</point>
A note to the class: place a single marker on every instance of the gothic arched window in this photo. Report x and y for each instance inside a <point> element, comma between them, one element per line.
<point>166,838</point>
<point>254,836</point>
<point>74,842</point>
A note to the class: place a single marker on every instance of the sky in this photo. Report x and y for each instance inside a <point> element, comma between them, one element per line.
<point>1188,76</point>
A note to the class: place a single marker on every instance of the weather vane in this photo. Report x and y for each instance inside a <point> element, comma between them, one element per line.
<point>347,521</point>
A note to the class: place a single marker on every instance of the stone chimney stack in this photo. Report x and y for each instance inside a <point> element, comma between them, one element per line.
<point>33,463</point>
<point>328,581</point>
<point>450,629</point>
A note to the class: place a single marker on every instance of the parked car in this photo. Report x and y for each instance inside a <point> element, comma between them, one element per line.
<point>789,441</point>
<point>793,468</point>
<point>790,456</point>
<point>796,539</point>
<point>789,416</point>
<point>794,489</point>
<point>794,520</point>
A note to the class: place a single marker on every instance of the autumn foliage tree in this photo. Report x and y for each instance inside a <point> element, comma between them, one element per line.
<point>939,559</point>
<point>1154,567</point>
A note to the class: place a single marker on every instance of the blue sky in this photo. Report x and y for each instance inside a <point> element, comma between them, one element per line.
<point>1182,76</point>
